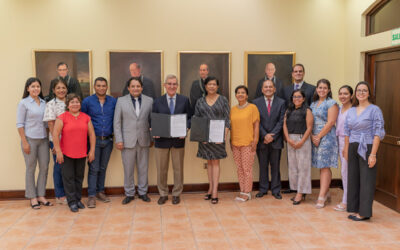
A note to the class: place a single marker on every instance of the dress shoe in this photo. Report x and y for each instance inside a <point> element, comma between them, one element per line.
<point>277,196</point>
<point>288,191</point>
<point>127,199</point>
<point>80,205</point>
<point>91,203</point>
<point>74,208</point>
<point>355,218</point>
<point>162,200</point>
<point>176,200</point>
<point>260,194</point>
<point>144,198</point>
<point>103,197</point>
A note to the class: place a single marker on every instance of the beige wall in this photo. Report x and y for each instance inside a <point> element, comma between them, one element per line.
<point>324,34</point>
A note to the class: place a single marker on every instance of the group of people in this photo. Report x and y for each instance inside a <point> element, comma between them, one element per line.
<point>316,129</point>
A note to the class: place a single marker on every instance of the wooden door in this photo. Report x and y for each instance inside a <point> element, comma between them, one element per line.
<point>383,72</point>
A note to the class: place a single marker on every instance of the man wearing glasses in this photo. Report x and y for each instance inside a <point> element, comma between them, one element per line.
<point>72,83</point>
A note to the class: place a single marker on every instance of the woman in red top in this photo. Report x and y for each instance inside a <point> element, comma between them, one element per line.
<point>74,127</point>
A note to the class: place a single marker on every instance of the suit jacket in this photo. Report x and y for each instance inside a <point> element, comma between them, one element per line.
<point>148,87</point>
<point>307,88</point>
<point>272,123</point>
<point>182,106</point>
<point>128,128</point>
<point>278,86</point>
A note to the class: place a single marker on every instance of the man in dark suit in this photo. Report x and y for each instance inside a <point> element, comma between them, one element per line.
<point>148,87</point>
<point>170,103</point>
<point>299,83</point>
<point>272,111</point>
<point>270,75</point>
<point>198,90</point>
<point>72,83</point>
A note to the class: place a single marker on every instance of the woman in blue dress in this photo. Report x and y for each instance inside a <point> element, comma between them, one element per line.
<point>325,147</point>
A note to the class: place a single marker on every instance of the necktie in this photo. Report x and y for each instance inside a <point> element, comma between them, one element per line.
<point>269,106</point>
<point>171,105</point>
<point>297,86</point>
<point>137,108</point>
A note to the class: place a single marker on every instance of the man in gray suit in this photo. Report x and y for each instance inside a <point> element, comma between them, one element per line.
<point>132,137</point>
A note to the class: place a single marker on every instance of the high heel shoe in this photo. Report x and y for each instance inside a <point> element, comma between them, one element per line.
<point>303,197</point>
<point>324,200</point>
<point>214,200</point>
<point>242,199</point>
<point>207,197</point>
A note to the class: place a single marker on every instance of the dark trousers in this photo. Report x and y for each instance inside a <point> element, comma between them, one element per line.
<point>57,177</point>
<point>72,171</point>
<point>361,182</point>
<point>98,167</point>
<point>269,156</point>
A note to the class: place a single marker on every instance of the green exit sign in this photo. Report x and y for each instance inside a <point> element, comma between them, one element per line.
<point>396,36</point>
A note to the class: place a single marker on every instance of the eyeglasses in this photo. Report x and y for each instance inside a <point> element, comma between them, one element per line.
<point>362,91</point>
<point>297,97</point>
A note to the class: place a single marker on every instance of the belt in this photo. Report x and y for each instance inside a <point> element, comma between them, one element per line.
<point>104,137</point>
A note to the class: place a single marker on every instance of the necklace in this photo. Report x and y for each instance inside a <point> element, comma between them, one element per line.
<point>243,106</point>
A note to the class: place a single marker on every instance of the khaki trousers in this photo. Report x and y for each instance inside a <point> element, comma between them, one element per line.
<point>162,162</point>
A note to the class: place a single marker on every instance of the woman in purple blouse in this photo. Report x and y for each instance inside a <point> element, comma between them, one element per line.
<point>345,94</point>
<point>364,129</point>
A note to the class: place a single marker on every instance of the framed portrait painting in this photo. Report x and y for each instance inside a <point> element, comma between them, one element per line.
<point>255,64</point>
<point>148,65</point>
<point>79,67</point>
<point>217,62</point>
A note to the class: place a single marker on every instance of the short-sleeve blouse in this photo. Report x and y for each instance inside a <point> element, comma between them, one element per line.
<point>242,120</point>
<point>54,108</point>
<point>74,134</point>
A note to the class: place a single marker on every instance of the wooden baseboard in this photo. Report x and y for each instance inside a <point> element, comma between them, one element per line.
<point>187,188</point>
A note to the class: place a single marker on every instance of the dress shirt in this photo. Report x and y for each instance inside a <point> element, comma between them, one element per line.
<point>266,100</point>
<point>364,127</point>
<point>30,117</point>
<point>139,98</point>
<point>300,84</point>
<point>102,116</point>
<point>169,100</point>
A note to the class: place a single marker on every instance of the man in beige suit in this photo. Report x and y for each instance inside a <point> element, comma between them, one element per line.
<point>132,137</point>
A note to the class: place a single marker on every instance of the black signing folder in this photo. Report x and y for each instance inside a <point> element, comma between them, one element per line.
<point>168,126</point>
<point>207,130</point>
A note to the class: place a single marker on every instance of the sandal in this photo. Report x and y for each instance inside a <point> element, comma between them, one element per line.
<point>242,199</point>
<point>207,197</point>
<point>325,199</point>
<point>214,200</point>
<point>47,204</point>
<point>35,206</point>
<point>340,208</point>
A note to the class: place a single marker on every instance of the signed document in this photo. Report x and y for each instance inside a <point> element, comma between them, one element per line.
<point>216,131</point>
<point>178,125</point>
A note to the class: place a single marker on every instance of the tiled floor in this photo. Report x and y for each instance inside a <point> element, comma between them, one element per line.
<point>263,223</point>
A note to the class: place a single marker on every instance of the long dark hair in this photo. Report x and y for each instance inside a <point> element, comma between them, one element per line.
<point>355,102</point>
<point>350,89</point>
<point>291,106</point>
<point>324,81</point>
<point>28,83</point>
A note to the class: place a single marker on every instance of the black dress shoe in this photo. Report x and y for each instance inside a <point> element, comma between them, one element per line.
<point>80,205</point>
<point>260,194</point>
<point>127,199</point>
<point>74,208</point>
<point>144,198</point>
<point>176,200</point>
<point>355,218</point>
<point>288,191</point>
<point>277,196</point>
<point>162,200</point>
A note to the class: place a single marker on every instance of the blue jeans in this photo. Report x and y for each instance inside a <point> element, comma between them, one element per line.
<point>57,178</point>
<point>98,167</point>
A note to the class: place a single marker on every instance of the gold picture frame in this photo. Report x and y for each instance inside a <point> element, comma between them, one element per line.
<point>219,63</point>
<point>254,67</point>
<point>79,63</point>
<point>152,68</point>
